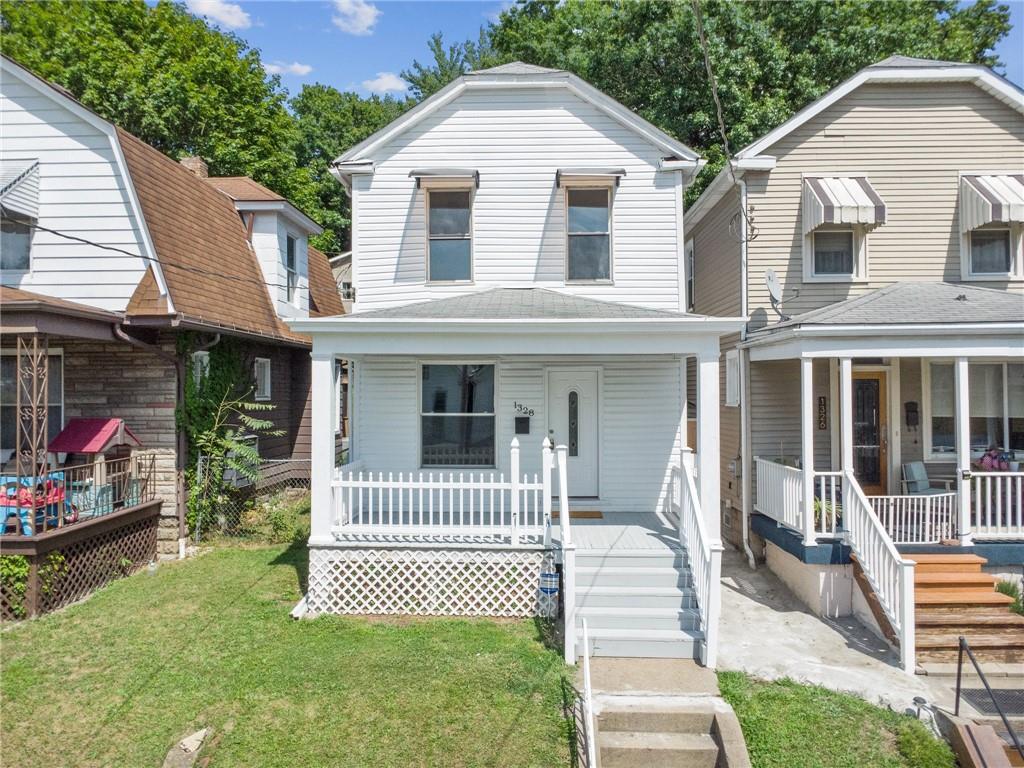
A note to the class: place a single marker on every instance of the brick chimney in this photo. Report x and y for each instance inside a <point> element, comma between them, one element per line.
<point>197,165</point>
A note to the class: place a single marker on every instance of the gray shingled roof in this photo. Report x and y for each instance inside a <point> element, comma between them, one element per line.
<point>515,68</point>
<point>916,303</point>
<point>910,62</point>
<point>518,304</point>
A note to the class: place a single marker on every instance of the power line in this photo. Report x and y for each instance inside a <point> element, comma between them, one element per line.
<point>751,230</point>
<point>163,265</point>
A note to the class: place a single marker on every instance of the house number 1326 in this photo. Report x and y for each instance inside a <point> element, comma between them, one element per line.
<point>523,409</point>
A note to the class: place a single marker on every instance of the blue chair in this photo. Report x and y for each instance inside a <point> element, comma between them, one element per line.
<point>917,483</point>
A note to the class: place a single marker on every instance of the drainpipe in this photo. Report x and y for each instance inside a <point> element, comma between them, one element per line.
<point>744,363</point>
<point>181,439</point>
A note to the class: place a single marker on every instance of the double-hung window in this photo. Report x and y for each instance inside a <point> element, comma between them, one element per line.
<point>449,235</point>
<point>291,268</point>
<point>589,247</point>
<point>995,407</point>
<point>457,423</point>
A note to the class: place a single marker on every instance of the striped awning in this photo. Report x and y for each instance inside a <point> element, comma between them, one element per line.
<point>19,187</point>
<point>840,200</point>
<point>990,199</point>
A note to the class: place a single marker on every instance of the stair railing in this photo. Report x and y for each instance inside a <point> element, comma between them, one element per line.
<point>588,704</point>
<point>568,556</point>
<point>965,648</point>
<point>891,577</point>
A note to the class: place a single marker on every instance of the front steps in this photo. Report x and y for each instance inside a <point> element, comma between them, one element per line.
<point>637,603</point>
<point>954,597</point>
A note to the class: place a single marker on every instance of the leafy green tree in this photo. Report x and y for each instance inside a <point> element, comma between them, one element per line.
<point>449,63</point>
<point>330,122</point>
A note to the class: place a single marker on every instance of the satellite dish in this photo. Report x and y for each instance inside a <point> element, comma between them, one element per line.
<point>771,280</point>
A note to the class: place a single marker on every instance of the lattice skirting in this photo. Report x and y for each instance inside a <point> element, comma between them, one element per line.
<point>430,582</point>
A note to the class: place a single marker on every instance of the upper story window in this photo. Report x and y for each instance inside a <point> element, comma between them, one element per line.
<point>291,268</point>
<point>992,226</point>
<point>838,212</point>
<point>15,243</point>
<point>450,239</point>
<point>588,252</point>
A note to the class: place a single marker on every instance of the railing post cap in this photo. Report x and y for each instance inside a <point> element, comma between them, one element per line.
<point>515,442</point>
<point>546,443</point>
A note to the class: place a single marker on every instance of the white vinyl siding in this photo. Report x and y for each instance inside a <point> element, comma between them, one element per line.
<point>640,401</point>
<point>82,192</point>
<point>517,139</point>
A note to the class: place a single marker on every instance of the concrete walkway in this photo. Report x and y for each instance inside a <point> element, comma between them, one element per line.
<point>768,633</point>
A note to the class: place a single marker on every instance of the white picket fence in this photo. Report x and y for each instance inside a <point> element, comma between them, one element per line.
<point>705,554</point>
<point>891,577</point>
<point>997,505</point>
<point>484,504</point>
<point>917,519</point>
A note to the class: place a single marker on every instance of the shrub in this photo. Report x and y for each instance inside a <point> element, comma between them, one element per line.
<point>1012,589</point>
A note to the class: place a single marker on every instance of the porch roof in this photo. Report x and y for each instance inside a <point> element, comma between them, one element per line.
<point>518,321</point>
<point>903,318</point>
<point>28,312</point>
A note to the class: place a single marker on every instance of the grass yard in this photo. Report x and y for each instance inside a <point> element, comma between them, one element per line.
<point>787,725</point>
<point>117,680</point>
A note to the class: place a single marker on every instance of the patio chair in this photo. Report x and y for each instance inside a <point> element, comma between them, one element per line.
<point>917,483</point>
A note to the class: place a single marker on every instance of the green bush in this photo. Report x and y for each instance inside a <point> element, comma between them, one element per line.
<point>14,582</point>
<point>278,519</point>
<point>1012,589</point>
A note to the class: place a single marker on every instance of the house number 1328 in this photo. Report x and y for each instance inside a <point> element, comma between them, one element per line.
<point>523,409</point>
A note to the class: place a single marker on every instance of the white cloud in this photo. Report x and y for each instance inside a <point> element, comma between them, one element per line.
<point>384,82</point>
<point>357,17</point>
<point>226,14</point>
<point>284,68</point>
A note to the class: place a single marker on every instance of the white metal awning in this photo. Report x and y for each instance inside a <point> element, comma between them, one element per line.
<point>568,177</point>
<point>440,177</point>
<point>19,187</point>
<point>840,200</point>
<point>988,199</point>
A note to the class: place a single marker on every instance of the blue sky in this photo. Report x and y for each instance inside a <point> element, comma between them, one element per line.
<point>363,45</point>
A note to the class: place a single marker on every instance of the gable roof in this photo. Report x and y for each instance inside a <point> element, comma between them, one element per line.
<point>324,299</point>
<point>914,304</point>
<point>894,69</point>
<point>517,75</point>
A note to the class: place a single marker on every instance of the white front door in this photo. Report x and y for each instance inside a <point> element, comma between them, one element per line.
<point>572,406</point>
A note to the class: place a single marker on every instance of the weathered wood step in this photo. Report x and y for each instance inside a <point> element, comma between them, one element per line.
<point>982,581</point>
<point>958,597</point>
<point>980,617</point>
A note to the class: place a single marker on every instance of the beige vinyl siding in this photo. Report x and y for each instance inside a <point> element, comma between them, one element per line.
<point>911,140</point>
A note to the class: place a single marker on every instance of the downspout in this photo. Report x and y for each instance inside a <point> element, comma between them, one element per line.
<point>181,439</point>
<point>744,363</point>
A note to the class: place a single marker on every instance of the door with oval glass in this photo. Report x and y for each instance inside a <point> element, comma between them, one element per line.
<point>871,432</point>
<point>572,413</point>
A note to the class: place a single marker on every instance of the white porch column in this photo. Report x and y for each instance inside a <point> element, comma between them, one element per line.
<point>708,450</point>
<point>807,446</point>
<point>846,414</point>
<point>963,447</point>
<point>683,414</point>
<point>322,447</point>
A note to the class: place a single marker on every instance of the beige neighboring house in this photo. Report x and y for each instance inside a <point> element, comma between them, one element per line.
<point>882,270</point>
<point>341,268</point>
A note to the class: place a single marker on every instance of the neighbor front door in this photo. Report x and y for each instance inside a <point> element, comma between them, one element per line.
<point>572,406</point>
<point>871,432</point>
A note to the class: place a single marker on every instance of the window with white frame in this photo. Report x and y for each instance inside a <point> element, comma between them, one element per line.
<point>291,268</point>
<point>200,366</point>
<point>689,276</point>
<point>457,421</point>
<point>261,373</point>
<point>16,242</point>
<point>732,377</point>
<point>995,407</point>
<point>991,251</point>
<point>834,252</point>
<point>8,398</point>
<point>449,235</point>
<point>588,234</point>
<point>992,225</point>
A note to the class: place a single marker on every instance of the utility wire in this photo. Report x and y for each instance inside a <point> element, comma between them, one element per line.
<point>163,265</point>
<point>751,230</point>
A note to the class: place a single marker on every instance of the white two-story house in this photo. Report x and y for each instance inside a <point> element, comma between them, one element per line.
<point>875,399</point>
<point>519,345</point>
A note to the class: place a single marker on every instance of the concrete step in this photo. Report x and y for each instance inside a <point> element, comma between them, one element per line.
<point>642,719</point>
<point>637,597</point>
<point>614,576</point>
<point>626,617</point>
<point>646,643</point>
<point>956,580</point>
<point>942,563</point>
<point>632,558</point>
<point>628,749</point>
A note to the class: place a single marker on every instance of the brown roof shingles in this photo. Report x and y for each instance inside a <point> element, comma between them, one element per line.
<point>243,189</point>
<point>324,299</point>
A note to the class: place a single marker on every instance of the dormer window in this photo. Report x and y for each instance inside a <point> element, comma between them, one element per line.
<point>992,224</point>
<point>449,236</point>
<point>838,212</point>
<point>291,269</point>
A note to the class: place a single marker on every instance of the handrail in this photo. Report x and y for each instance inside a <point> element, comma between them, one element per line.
<point>890,575</point>
<point>964,646</point>
<point>588,703</point>
<point>568,556</point>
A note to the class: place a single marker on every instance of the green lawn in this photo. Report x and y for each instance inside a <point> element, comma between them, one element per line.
<point>115,681</point>
<point>787,725</point>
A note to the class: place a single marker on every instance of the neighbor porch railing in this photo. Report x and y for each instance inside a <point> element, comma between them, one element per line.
<point>924,519</point>
<point>997,504</point>
<point>69,495</point>
<point>780,496</point>
<point>704,552</point>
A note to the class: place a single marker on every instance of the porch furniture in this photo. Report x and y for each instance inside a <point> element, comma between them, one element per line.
<point>917,483</point>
